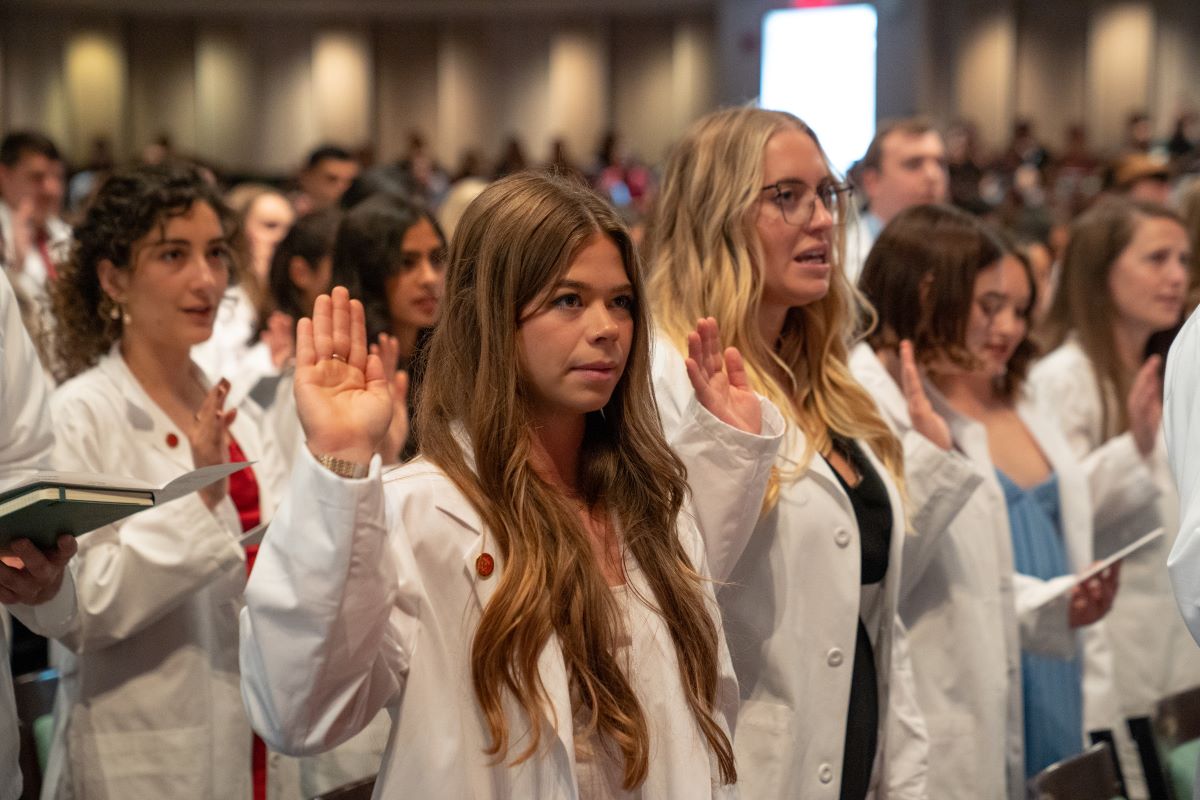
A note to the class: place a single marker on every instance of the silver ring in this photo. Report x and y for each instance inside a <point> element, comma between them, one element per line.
<point>337,357</point>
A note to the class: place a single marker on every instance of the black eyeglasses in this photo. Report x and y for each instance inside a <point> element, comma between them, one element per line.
<point>797,200</point>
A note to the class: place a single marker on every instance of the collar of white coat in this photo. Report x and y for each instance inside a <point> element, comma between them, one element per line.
<point>140,409</point>
<point>869,371</point>
<point>551,668</point>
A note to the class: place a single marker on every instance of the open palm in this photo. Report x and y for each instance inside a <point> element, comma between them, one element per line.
<point>343,397</point>
<point>720,379</point>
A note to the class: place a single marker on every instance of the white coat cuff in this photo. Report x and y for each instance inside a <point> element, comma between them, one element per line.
<point>54,617</point>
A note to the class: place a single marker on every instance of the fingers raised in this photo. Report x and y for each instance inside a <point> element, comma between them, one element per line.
<point>306,353</point>
<point>340,333</point>
<point>322,327</point>
<point>358,336</point>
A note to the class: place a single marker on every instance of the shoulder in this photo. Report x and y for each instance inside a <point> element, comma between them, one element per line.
<point>669,372</point>
<point>1066,369</point>
<point>90,389</point>
<point>420,489</point>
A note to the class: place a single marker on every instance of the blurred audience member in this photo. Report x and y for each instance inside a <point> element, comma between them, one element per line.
<point>1142,176</point>
<point>33,237</point>
<point>512,158</point>
<point>328,174</point>
<point>905,165</point>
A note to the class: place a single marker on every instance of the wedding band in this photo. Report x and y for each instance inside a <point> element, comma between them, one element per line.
<point>337,357</point>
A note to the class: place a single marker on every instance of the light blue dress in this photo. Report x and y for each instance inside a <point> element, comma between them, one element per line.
<point>1052,687</point>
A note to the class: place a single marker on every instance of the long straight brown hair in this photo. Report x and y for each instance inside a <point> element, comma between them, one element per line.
<point>512,245</point>
<point>1083,303</point>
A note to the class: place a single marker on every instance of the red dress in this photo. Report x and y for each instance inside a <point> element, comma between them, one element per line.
<point>243,491</point>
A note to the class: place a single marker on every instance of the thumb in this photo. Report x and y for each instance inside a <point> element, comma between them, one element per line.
<point>400,384</point>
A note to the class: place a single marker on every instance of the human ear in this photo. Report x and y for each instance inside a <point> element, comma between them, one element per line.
<point>113,280</point>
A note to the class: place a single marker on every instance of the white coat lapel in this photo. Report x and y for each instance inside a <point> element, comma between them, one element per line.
<point>144,416</point>
<point>550,661</point>
<point>1073,490</point>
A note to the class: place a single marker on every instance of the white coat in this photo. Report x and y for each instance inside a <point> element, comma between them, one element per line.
<point>956,599</point>
<point>366,596</point>
<point>229,352</point>
<point>1151,661</point>
<point>148,703</point>
<point>1181,424</point>
<point>791,609</point>
<point>26,442</point>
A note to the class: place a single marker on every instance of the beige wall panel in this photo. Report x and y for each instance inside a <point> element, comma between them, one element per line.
<point>693,72</point>
<point>517,70</point>
<point>579,90</point>
<point>285,119</point>
<point>35,94</point>
<point>225,95</point>
<point>343,74</point>
<point>463,110</point>
<point>985,61</point>
<point>1176,77</point>
<point>1119,68</point>
<point>643,86</point>
<point>96,74</point>
<point>1051,54</point>
<point>162,83</point>
<point>406,65</point>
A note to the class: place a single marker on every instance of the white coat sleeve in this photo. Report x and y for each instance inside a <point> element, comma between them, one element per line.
<point>130,574</point>
<point>1123,490</point>
<point>907,736</point>
<point>728,470</point>
<point>938,484</point>
<point>1181,413</point>
<point>26,433</point>
<point>331,613</point>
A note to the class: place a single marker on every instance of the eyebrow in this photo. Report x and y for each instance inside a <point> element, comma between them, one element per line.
<point>581,286</point>
<point>160,242</point>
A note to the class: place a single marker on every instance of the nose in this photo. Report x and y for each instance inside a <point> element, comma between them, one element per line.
<point>1008,323</point>
<point>1180,272</point>
<point>429,275</point>
<point>602,325</point>
<point>822,217</point>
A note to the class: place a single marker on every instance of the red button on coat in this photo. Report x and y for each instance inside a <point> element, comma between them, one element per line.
<point>485,565</point>
<point>172,440</point>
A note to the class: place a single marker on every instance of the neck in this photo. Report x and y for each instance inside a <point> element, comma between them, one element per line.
<point>1130,340</point>
<point>556,441</point>
<point>406,336</point>
<point>969,393</point>
<point>160,369</point>
<point>770,323</point>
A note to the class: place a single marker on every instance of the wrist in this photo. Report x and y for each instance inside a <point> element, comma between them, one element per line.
<point>353,463</point>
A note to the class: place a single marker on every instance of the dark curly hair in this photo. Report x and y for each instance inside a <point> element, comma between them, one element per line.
<point>128,206</point>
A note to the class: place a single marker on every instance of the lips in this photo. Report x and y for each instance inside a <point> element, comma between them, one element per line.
<point>426,304</point>
<point>596,370</point>
<point>814,255</point>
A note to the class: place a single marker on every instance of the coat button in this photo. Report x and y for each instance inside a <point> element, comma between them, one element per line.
<point>825,773</point>
<point>842,537</point>
<point>172,440</point>
<point>834,657</point>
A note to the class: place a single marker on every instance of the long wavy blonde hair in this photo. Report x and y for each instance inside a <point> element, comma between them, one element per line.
<point>514,242</point>
<point>705,260</point>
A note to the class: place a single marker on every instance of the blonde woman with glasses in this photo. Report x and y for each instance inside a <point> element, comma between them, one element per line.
<point>748,230</point>
<point>528,598</point>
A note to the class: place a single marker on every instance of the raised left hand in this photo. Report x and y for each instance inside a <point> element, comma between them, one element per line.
<point>720,379</point>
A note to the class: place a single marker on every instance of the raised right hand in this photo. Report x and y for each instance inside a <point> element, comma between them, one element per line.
<point>925,419</point>
<point>342,394</point>
<point>209,439</point>
<point>1145,406</point>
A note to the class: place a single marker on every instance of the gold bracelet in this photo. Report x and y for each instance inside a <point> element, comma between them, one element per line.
<point>342,467</point>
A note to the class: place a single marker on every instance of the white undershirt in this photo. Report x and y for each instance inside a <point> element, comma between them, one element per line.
<point>647,656</point>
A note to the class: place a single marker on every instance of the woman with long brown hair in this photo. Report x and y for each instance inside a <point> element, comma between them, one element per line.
<point>1125,276</point>
<point>528,597</point>
<point>749,229</point>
